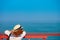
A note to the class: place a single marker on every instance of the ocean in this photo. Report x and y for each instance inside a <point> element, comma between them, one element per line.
<point>35,28</point>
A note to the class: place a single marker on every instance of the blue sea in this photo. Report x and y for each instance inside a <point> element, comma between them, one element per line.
<point>34,28</point>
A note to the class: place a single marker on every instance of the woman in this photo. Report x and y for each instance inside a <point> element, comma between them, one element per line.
<point>16,34</point>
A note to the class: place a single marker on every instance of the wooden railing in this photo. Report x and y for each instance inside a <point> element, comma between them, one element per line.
<point>33,35</point>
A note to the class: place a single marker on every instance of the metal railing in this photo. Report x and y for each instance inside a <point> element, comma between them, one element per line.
<point>33,35</point>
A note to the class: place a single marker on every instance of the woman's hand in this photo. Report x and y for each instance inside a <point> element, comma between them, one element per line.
<point>12,31</point>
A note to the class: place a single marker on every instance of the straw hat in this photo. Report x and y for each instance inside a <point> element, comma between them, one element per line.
<point>17,26</point>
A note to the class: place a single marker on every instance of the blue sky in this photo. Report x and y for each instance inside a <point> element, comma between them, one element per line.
<point>29,11</point>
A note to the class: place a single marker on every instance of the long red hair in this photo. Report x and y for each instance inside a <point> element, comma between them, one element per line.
<point>17,32</point>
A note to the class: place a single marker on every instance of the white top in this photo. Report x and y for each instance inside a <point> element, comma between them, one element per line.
<point>7,32</point>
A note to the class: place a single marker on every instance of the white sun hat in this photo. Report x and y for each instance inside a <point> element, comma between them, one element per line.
<point>17,26</point>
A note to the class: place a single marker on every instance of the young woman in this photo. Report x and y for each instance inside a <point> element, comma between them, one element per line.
<point>16,34</point>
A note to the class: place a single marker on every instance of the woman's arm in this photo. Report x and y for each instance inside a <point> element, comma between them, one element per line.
<point>7,32</point>
<point>23,34</point>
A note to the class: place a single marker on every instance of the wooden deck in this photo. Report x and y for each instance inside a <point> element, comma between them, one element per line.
<point>33,35</point>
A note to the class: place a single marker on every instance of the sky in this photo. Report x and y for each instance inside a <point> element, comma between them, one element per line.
<point>29,11</point>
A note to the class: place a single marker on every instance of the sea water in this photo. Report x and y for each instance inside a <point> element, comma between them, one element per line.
<point>30,27</point>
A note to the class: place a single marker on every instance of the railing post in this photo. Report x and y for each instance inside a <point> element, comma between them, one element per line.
<point>28,39</point>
